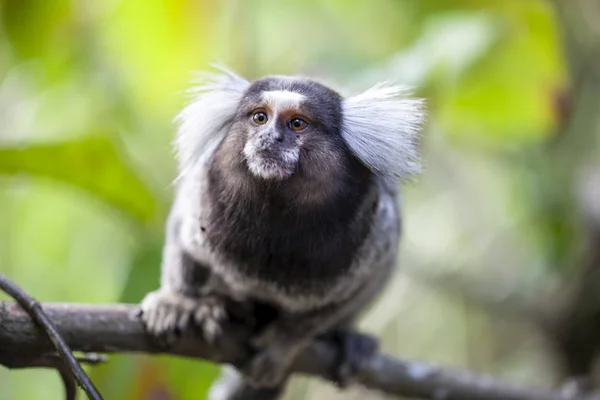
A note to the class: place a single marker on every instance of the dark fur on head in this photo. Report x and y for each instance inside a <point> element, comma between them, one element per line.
<point>323,156</point>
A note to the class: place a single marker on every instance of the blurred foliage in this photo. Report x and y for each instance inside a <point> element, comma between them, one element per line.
<point>87,94</point>
<point>91,164</point>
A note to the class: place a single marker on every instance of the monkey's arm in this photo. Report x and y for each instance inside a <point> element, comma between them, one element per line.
<point>180,300</point>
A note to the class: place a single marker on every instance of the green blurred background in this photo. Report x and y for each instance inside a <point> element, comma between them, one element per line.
<point>498,269</point>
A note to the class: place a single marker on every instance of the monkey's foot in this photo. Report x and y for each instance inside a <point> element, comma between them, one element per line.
<point>268,368</point>
<point>167,315</point>
<point>356,350</point>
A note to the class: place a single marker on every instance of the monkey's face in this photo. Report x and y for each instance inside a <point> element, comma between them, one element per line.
<point>276,128</point>
<point>289,126</point>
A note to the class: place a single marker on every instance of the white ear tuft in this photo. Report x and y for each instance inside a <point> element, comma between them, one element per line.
<point>204,122</point>
<point>383,130</point>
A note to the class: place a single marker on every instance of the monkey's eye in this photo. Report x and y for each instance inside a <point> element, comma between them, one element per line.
<point>298,124</point>
<point>260,118</point>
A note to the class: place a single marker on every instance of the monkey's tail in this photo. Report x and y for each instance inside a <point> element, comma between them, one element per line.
<point>231,386</point>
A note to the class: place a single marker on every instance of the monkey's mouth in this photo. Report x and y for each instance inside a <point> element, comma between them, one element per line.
<point>271,164</point>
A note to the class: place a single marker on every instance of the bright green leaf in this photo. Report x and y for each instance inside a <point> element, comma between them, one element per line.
<point>93,164</point>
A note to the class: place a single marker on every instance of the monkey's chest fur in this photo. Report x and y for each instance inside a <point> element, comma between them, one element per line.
<point>290,248</point>
<point>263,246</point>
<point>302,248</point>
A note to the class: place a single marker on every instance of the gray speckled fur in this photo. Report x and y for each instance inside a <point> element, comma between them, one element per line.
<point>196,268</point>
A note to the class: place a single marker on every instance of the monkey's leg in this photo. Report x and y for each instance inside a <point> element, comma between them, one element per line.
<point>287,336</point>
<point>231,385</point>
<point>180,304</point>
<point>356,349</point>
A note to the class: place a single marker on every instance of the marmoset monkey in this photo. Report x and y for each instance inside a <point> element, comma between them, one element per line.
<point>287,198</point>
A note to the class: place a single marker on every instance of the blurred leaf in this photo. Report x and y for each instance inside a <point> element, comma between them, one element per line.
<point>507,97</point>
<point>33,26</point>
<point>151,381</point>
<point>191,378</point>
<point>448,47</point>
<point>145,270</point>
<point>93,164</point>
<point>115,379</point>
<point>159,43</point>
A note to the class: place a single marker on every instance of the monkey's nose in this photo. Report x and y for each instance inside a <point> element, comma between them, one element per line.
<point>274,136</point>
<point>279,135</point>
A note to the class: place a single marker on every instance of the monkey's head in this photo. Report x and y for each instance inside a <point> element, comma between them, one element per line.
<point>288,126</point>
<point>289,129</point>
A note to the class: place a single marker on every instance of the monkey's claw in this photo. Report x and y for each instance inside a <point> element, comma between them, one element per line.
<point>356,350</point>
<point>168,315</point>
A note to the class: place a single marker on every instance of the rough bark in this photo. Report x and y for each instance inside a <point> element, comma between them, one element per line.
<point>116,328</point>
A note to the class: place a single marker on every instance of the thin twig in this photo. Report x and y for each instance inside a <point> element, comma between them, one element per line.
<point>37,314</point>
<point>114,328</point>
<point>68,381</point>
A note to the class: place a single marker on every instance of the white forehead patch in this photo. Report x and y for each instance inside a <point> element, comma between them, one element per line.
<point>283,99</point>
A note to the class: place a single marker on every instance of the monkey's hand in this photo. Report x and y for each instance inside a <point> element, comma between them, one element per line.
<point>167,315</point>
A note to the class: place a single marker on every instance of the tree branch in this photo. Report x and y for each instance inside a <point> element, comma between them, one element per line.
<point>66,362</point>
<point>116,328</point>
